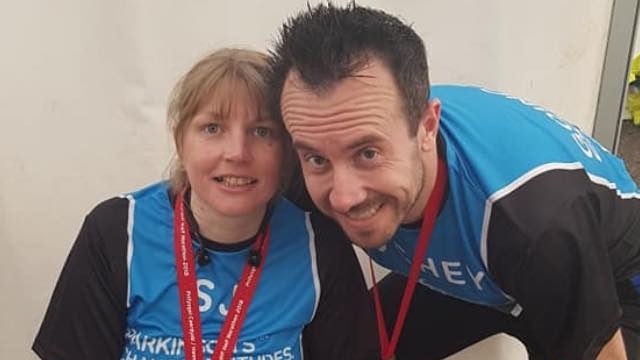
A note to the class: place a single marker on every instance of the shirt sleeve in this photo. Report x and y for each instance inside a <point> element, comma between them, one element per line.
<point>344,325</point>
<point>554,261</point>
<point>86,316</point>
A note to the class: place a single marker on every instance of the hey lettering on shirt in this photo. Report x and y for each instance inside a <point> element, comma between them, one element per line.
<point>454,272</point>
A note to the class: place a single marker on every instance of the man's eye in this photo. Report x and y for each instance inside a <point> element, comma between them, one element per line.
<point>368,154</point>
<point>316,161</point>
<point>211,128</point>
<point>262,132</point>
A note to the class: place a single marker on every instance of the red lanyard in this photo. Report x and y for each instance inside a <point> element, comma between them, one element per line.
<point>186,273</point>
<point>387,347</point>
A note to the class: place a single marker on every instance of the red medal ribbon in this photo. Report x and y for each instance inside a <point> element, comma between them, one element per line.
<point>387,347</point>
<point>190,313</point>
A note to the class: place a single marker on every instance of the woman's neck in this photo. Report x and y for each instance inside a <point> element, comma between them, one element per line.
<point>225,229</point>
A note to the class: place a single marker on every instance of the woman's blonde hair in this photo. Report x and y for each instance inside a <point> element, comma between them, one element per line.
<point>217,75</point>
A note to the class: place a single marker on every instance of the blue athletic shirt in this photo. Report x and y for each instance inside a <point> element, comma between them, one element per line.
<point>285,300</point>
<point>117,296</point>
<point>511,162</point>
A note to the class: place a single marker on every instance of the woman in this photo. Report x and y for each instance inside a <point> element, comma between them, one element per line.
<point>214,261</point>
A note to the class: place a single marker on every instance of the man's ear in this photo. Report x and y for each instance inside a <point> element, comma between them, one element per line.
<point>429,125</point>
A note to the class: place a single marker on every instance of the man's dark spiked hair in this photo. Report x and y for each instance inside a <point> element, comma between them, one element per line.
<point>326,44</point>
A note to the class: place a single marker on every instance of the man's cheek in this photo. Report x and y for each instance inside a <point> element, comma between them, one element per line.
<point>319,192</point>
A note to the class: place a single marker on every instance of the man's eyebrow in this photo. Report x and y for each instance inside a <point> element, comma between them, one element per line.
<point>301,145</point>
<point>365,140</point>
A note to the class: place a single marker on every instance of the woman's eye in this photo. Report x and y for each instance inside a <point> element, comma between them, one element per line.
<point>262,131</point>
<point>212,128</point>
<point>368,154</point>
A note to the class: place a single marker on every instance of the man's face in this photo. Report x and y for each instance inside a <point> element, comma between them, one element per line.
<point>360,164</point>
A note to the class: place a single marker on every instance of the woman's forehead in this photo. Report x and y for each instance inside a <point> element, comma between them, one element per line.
<point>224,100</point>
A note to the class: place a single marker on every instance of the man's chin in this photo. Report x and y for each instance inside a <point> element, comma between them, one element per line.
<point>368,241</point>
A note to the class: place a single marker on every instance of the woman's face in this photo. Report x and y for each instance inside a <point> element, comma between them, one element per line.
<point>232,160</point>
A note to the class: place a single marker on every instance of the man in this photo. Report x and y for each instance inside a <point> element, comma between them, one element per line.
<point>534,228</point>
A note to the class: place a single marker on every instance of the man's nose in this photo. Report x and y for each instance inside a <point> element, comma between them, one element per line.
<point>347,191</point>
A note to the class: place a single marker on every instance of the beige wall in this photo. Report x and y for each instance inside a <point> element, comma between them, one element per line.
<point>84,88</point>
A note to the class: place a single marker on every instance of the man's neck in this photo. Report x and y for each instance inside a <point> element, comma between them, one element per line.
<point>429,176</point>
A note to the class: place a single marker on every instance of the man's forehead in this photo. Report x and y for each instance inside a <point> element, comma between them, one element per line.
<point>367,72</point>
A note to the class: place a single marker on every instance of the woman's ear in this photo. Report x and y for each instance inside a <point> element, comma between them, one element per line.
<point>429,125</point>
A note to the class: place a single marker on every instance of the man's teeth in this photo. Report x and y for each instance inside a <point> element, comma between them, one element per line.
<point>232,181</point>
<point>365,212</point>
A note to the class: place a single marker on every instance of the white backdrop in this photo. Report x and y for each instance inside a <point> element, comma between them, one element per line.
<point>85,83</point>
